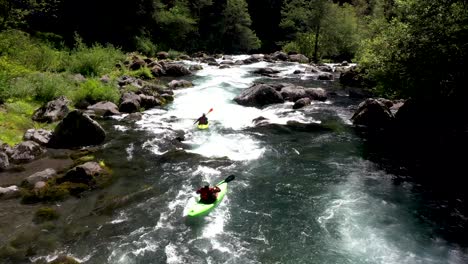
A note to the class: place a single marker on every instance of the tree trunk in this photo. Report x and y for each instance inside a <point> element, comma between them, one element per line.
<point>317,34</point>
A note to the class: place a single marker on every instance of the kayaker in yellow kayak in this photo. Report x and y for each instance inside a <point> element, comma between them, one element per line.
<point>203,120</point>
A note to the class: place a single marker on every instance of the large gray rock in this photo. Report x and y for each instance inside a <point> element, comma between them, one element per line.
<point>4,162</point>
<point>84,173</point>
<point>373,114</point>
<point>77,130</point>
<point>325,76</point>
<point>162,55</point>
<point>9,192</point>
<point>148,101</point>
<point>301,103</point>
<point>266,71</point>
<point>259,95</point>
<point>196,67</point>
<point>26,151</point>
<point>174,84</point>
<point>157,70</point>
<point>279,55</point>
<point>39,176</point>
<point>133,117</point>
<point>176,70</point>
<point>40,136</point>
<point>105,108</point>
<point>293,93</point>
<point>298,58</point>
<point>130,103</point>
<point>317,94</point>
<point>52,111</point>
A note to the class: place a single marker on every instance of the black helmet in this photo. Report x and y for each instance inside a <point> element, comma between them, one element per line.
<point>206,184</point>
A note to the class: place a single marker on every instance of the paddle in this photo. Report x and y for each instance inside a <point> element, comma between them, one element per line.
<point>209,111</point>
<point>228,179</point>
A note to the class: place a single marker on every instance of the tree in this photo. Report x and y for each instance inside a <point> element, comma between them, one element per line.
<point>237,35</point>
<point>421,52</point>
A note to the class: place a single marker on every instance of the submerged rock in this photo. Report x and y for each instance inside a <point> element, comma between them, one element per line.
<point>77,130</point>
<point>85,173</point>
<point>301,103</point>
<point>266,71</point>
<point>39,176</point>
<point>174,84</point>
<point>9,192</point>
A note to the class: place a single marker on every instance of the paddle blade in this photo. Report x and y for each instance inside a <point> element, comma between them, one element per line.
<point>211,110</point>
<point>230,178</point>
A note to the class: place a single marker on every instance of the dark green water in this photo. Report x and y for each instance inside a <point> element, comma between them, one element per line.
<point>299,196</point>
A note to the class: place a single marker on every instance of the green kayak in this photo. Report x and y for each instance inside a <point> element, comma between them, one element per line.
<point>203,126</point>
<point>201,209</point>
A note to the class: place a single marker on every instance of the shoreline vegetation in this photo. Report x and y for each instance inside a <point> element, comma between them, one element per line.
<point>54,75</point>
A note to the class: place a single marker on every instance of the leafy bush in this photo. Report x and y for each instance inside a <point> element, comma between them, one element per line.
<point>23,50</point>
<point>93,61</point>
<point>94,91</point>
<point>41,87</point>
<point>144,73</point>
<point>145,46</point>
<point>173,54</point>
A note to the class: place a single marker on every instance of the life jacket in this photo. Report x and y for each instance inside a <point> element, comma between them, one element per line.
<point>203,120</point>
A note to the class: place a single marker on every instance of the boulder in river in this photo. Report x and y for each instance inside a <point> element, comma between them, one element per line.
<point>298,58</point>
<point>318,94</point>
<point>196,67</point>
<point>104,108</point>
<point>301,103</point>
<point>373,114</point>
<point>40,136</point>
<point>325,76</point>
<point>26,151</point>
<point>174,84</point>
<point>259,95</point>
<point>52,111</point>
<point>279,55</point>
<point>148,101</point>
<point>133,117</point>
<point>39,176</point>
<point>293,93</point>
<point>130,102</point>
<point>176,70</point>
<point>162,55</point>
<point>266,71</point>
<point>77,130</point>
<point>86,173</point>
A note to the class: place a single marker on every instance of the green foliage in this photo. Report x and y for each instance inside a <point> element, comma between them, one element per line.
<point>421,52</point>
<point>237,35</point>
<point>145,46</point>
<point>94,91</point>
<point>44,214</point>
<point>21,49</point>
<point>174,54</point>
<point>42,87</point>
<point>321,29</point>
<point>15,119</point>
<point>144,73</point>
<point>93,61</point>
<point>175,24</point>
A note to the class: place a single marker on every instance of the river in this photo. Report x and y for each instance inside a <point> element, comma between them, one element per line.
<point>299,196</point>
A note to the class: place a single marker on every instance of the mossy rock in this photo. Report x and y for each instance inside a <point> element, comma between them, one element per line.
<point>74,189</point>
<point>84,159</point>
<point>10,253</point>
<point>46,214</point>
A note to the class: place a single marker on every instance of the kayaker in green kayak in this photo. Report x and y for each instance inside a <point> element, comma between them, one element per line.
<point>208,195</point>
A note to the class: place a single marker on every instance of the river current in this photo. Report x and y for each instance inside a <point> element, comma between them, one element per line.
<point>300,196</point>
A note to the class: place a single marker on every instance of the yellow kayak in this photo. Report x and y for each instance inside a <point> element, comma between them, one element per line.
<point>203,126</point>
